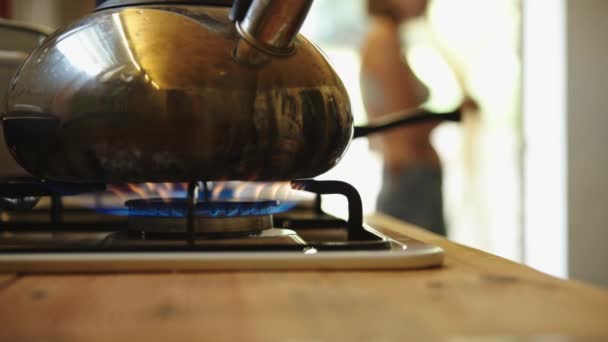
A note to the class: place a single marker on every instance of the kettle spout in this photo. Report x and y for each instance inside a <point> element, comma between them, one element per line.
<point>270,25</point>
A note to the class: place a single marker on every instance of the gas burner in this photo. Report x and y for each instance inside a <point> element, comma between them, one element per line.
<point>160,234</point>
<point>213,218</point>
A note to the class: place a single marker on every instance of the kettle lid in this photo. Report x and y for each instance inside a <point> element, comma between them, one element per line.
<point>122,3</point>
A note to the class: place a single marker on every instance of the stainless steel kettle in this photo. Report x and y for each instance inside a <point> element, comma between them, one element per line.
<point>174,90</point>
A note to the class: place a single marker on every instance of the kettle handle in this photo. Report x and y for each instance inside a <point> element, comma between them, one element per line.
<point>405,118</point>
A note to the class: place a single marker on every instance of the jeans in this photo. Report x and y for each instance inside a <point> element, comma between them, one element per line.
<point>415,196</point>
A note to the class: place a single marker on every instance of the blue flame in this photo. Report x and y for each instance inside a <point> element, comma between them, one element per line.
<point>206,209</point>
<point>226,202</point>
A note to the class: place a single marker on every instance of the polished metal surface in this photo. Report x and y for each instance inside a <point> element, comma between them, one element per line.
<point>122,3</point>
<point>108,240</point>
<point>155,94</point>
<point>220,226</point>
<point>273,25</point>
<point>18,204</point>
<point>259,241</point>
<point>17,41</point>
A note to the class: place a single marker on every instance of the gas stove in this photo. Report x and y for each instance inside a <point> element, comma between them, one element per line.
<point>196,226</point>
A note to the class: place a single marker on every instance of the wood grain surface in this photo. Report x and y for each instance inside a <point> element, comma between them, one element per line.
<point>474,294</point>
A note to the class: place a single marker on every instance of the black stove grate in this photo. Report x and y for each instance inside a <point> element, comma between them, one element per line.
<point>352,233</point>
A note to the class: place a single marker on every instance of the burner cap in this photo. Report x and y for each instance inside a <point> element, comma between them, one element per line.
<point>226,218</point>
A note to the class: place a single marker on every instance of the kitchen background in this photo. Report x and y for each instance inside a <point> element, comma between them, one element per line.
<point>524,176</point>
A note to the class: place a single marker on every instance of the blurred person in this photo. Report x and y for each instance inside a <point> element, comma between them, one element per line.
<point>412,180</point>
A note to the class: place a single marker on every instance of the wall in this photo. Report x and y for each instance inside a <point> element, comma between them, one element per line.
<point>544,125</point>
<point>565,121</point>
<point>52,13</point>
<point>587,88</point>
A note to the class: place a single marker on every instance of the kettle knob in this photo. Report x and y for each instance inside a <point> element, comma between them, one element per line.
<point>270,25</point>
<point>239,10</point>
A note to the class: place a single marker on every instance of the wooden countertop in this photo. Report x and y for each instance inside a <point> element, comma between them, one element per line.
<point>474,294</point>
